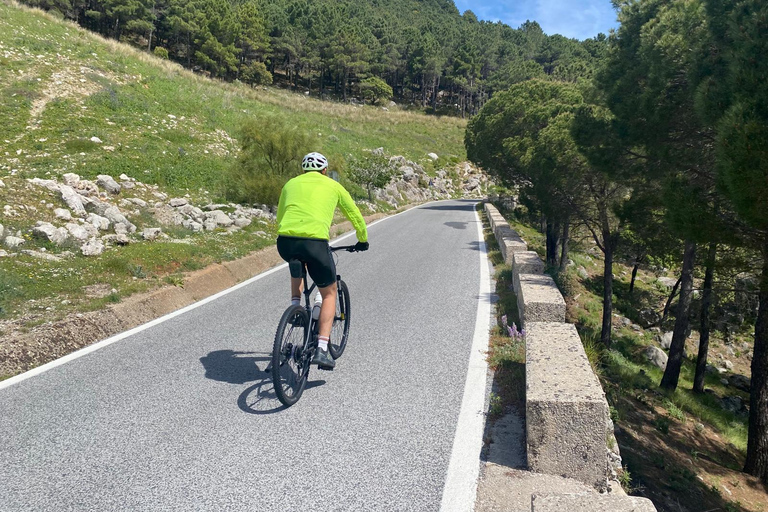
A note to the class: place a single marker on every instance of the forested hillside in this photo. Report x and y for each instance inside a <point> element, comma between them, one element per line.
<point>662,161</point>
<point>418,51</point>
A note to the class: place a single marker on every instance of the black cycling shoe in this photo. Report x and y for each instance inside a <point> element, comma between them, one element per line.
<point>323,360</point>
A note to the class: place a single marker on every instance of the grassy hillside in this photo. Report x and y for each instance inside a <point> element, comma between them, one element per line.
<point>61,86</point>
<point>72,102</point>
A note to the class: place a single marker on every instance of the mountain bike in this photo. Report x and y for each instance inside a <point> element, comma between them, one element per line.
<point>296,336</point>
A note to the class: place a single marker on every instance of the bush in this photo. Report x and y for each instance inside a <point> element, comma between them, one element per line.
<point>255,73</point>
<point>271,155</point>
<point>370,172</point>
<point>374,89</point>
<point>161,52</point>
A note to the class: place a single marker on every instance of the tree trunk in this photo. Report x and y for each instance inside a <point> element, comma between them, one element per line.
<point>757,442</point>
<point>605,332</point>
<point>669,301</point>
<point>706,302</point>
<point>552,229</point>
<point>634,277</point>
<point>564,244</point>
<point>676,349</point>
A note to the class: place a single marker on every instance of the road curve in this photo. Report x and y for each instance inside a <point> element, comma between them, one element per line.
<point>181,416</point>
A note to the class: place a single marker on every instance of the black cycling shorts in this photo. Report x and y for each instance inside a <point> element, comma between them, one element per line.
<point>315,253</point>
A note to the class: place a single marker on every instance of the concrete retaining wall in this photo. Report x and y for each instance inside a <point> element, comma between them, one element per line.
<point>589,503</point>
<point>567,421</point>
<point>538,298</point>
<point>566,412</point>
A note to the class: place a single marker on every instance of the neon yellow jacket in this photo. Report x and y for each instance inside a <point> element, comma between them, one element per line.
<point>307,204</point>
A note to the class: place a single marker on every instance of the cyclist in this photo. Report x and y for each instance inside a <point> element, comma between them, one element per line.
<point>304,216</point>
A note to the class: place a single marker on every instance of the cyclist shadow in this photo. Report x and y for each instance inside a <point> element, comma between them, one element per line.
<point>236,367</point>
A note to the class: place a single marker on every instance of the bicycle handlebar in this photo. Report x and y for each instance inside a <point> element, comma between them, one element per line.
<point>348,248</point>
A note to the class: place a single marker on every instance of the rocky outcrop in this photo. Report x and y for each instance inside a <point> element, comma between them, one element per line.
<point>93,221</point>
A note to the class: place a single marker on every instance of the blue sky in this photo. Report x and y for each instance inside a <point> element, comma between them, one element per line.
<point>580,19</point>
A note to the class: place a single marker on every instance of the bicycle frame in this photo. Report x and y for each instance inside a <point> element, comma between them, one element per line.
<point>311,341</point>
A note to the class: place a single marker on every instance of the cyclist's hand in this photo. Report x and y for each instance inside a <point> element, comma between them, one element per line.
<point>361,246</point>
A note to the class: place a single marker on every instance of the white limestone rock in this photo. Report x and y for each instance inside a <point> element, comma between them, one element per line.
<point>97,221</point>
<point>656,356</point>
<point>241,222</point>
<point>49,232</point>
<point>178,201</point>
<point>151,233</point>
<point>62,214</point>
<point>40,255</point>
<point>108,183</point>
<point>192,225</point>
<point>73,199</point>
<point>221,218</point>
<point>94,247</point>
<point>78,232</point>
<point>13,242</point>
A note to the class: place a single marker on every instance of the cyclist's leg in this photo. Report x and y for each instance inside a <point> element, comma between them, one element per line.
<point>327,310</point>
<point>290,248</point>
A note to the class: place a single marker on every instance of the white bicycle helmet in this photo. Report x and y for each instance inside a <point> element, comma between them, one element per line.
<point>314,162</point>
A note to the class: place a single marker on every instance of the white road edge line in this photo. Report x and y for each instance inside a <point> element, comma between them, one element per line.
<point>101,344</point>
<point>460,488</point>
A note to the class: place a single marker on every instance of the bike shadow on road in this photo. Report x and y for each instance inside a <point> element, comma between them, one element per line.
<point>235,367</point>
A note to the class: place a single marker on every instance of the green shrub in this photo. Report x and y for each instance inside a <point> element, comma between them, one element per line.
<point>271,154</point>
<point>161,52</point>
<point>255,73</point>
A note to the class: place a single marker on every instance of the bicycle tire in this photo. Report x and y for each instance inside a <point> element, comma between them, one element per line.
<point>340,328</point>
<point>290,362</point>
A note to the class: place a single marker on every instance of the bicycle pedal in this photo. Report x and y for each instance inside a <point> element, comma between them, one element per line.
<point>326,368</point>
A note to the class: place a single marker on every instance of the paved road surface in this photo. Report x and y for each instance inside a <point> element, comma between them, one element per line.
<point>180,416</point>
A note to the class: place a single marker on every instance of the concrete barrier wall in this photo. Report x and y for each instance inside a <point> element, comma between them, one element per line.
<point>567,421</point>
<point>538,298</point>
<point>565,408</point>
<point>583,502</point>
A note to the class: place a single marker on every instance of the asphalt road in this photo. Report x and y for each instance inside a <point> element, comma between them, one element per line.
<point>181,416</point>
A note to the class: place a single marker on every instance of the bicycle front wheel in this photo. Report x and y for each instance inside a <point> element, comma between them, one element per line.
<point>290,359</point>
<point>340,329</point>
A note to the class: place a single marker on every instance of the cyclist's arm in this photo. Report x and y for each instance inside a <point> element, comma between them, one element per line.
<point>281,207</point>
<point>352,212</point>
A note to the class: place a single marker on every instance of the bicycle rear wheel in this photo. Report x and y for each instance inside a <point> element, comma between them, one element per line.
<point>290,360</point>
<point>340,329</point>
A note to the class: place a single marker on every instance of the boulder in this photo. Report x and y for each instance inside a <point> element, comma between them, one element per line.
<point>241,222</point>
<point>62,214</point>
<point>656,356</point>
<point>108,183</point>
<point>740,382</point>
<point>178,201</point>
<point>668,282</point>
<point>40,255</point>
<point>114,215</point>
<point>138,202</point>
<point>433,156</point>
<point>71,179</point>
<point>13,241</point>
<point>193,225</point>
<point>73,199</point>
<point>116,239</point>
<point>151,233</point>
<point>97,221</point>
<point>221,218</point>
<point>666,340</point>
<point>2,230</point>
<point>93,247</point>
<point>49,232</point>
<point>78,232</point>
